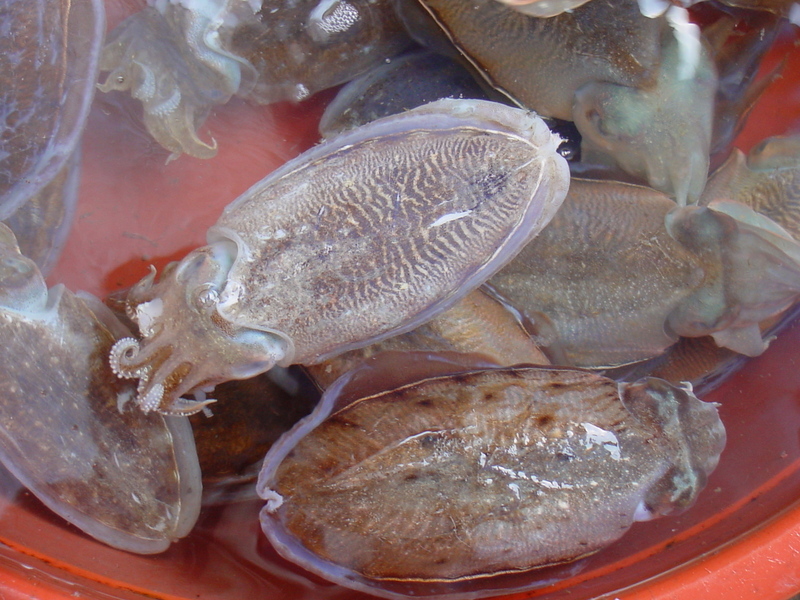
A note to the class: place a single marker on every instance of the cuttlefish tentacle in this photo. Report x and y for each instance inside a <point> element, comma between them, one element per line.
<point>120,356</point>
<point>151,400</point>
<point>179,311</point>
<point>127,360</point>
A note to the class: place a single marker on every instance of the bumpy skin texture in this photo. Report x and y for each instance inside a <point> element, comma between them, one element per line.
<point>300,47</point>
<point>485,472</point>
<point>360,238</point>
<point>130,480</point>
<point>180,62</point>
<point>621,272</point>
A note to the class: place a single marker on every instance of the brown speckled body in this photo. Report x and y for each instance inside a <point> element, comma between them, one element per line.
<point>295,55</point>
<point>250,415</point>
<point>126,478</point>
<point>542,62</point>
<point>477,325</point>
<point>771,191</point>
<point>481,473</point>
<point>367,235</point>
<point>621,272</point>
<point>361,253</point>
<point>598,283</point>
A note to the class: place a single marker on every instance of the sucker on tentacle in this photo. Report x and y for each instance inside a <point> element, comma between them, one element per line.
<point>120,351</point>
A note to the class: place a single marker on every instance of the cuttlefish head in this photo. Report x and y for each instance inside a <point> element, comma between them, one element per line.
<point>186,346</point>
<point>660,132</point>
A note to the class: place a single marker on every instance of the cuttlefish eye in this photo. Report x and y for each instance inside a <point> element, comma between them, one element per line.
<point>205,297</point>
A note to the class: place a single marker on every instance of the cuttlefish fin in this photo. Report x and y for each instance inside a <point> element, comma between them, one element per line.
<point>744,340</point>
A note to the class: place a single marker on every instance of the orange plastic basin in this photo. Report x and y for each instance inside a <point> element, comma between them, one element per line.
<point>741,541</point>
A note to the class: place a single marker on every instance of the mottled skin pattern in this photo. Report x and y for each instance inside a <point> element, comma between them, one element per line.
<point>296,50</point>
<point>48,59</point>
<point>768,181</point>
<point>621,272</point>
<point>130,480</point>
<point>174,312</point>
<point>350,266</point>
<point>360,238</point>
<point>471,475</point>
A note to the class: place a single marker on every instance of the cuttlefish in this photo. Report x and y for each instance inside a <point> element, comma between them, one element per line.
<point>49,53</point>
<point>640,90</point>
<point>68,429</point>
<point>180,59</point>
<point>482,472</point>
<point>477,329</point>
<point>365,236</point>
<point>622,271</point>
<point>767,181</point>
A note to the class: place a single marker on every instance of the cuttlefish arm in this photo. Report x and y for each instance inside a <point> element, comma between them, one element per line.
<point>362,237</point>
<point>171,60</point>
<point>187,346</point>
<point>66,430</point>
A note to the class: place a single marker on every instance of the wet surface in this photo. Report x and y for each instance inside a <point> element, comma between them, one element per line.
<point>129,202</point>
